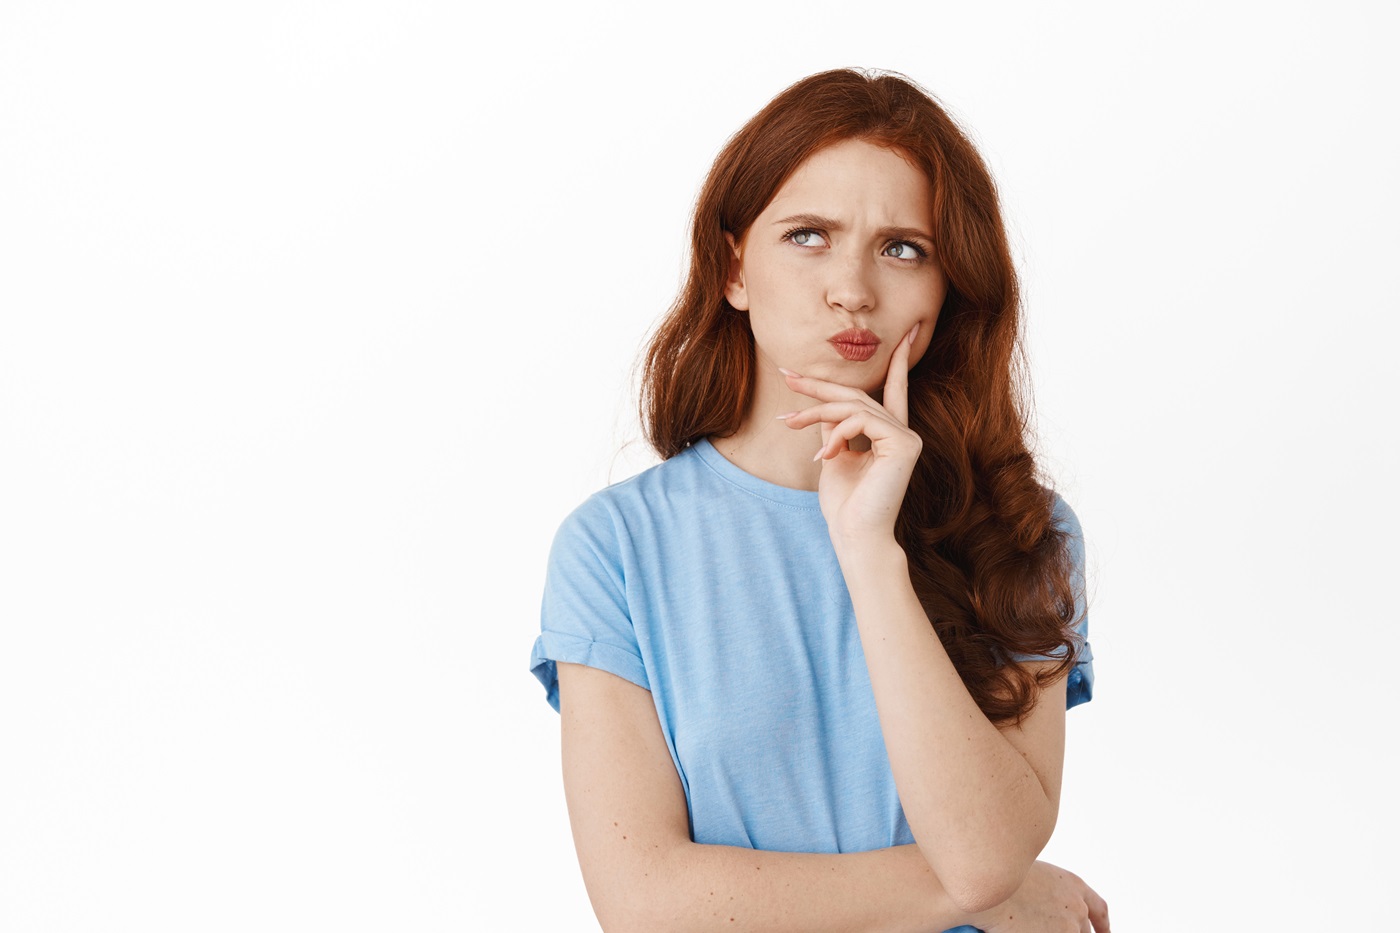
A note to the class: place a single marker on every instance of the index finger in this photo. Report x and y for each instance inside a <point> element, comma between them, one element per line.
<point>821,389</point>
<point>896,399</point>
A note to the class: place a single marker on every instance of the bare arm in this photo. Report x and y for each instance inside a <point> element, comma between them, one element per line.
<point>643,873</point>
<point>981,801</point>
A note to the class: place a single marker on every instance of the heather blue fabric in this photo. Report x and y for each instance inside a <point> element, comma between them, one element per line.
<point>720,593</point>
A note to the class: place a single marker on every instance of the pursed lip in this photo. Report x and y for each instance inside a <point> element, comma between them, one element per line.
<point>858,336</point>
<point>856,344</point>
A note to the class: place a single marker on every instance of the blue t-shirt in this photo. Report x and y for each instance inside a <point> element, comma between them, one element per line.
<point>721,594</point>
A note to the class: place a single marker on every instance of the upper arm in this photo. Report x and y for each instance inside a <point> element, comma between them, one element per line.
<point>1040,735</point>
<point>1040,739</point>
<point>585,616</point>
<point>626,805</point>
<point>1080,687</point>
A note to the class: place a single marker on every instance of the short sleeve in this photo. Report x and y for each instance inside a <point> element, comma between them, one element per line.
<point>1080,686</point>
<point>584,617</point>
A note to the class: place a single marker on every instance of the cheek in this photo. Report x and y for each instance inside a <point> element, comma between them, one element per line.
<point>769,333</point>
<point>927,331</point>
<point>777,283</point>
<point>926,304</point>
<point>779,302</point>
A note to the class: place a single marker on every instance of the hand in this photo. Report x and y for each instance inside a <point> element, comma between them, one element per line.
<point>861,492</point>
<point>1050,900</point>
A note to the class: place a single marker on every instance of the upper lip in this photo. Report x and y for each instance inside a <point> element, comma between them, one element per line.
<point>857,335</point>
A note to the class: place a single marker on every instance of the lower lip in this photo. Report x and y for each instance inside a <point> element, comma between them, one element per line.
<point>856,352</point>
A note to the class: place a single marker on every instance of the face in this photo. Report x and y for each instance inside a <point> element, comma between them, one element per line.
<point>839,266</point>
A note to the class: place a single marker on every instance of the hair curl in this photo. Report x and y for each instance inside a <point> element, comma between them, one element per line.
<point>986,558</point>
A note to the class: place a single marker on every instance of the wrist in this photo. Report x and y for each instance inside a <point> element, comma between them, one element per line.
<point>869,553</point>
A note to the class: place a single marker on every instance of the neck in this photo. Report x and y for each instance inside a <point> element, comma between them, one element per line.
<point>766,447</point>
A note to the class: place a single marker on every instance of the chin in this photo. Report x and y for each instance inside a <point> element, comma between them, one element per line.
<point>840,375</point>
<point>863,376</point>
<point>869,379</point>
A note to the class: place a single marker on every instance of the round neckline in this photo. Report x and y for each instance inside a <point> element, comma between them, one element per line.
<point>783,495</point>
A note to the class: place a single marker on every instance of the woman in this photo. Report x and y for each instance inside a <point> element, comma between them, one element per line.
<point>813,668</point>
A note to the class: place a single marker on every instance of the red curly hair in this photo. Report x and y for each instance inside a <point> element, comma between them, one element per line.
<point>987,560</point>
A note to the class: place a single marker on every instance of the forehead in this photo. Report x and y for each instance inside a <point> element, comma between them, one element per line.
<point>858,178</point>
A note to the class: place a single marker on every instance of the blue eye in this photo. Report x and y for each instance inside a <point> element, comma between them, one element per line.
<point>903,249</point>
<point>804,236</point>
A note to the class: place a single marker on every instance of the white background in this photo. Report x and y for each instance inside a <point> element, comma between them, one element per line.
<point>319,317</point>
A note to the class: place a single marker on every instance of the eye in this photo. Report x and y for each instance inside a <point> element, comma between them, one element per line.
<point>804,236</point>
<point>903,249</point>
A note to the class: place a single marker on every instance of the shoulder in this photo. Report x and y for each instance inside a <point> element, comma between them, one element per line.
<point>601,517</point>
<point>1064,516</point>
<point>1080,683</point>
<point>1066,523</point>
<point>1071,533</point>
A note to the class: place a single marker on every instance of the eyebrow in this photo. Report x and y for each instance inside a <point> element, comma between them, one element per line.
<point>826,223</point>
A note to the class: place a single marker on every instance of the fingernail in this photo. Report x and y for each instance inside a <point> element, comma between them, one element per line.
<point>784,417</point>
<point>788,372</point>
<point>915,332</point>
<point>819,454</point>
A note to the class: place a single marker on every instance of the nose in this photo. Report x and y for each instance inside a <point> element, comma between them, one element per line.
<point>849,288</point>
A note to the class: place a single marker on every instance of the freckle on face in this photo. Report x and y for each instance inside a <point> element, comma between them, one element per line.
<point>862,188</point>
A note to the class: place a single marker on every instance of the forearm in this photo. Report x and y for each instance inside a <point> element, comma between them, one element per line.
<point>709,887</point>
<point>975,805</point>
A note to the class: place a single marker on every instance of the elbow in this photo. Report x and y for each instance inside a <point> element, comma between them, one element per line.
<point>625,915</point>
<point>613,920</point>
<point>625,925</point>
<point>626,912</point>
<point>974,895</point>
<point>635,899</point>
<point>640,913</point>
<point>974,888</point>
<point>980,874</point>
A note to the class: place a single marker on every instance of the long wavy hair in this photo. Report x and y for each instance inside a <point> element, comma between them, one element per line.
<point>986,558</point>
